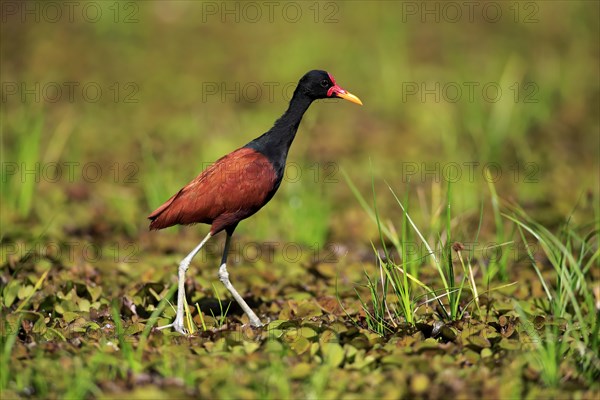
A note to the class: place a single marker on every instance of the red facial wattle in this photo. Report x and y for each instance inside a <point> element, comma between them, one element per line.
<point>337,91</point>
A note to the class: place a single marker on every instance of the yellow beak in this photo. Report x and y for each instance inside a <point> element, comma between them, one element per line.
<point>342,94</point>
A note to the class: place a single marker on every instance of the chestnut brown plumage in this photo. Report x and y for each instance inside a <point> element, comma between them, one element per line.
<point>239,184</point>
<point>230,190</point>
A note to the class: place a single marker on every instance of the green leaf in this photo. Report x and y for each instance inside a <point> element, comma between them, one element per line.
<point>10,292</point>
<point>301,370</point>
<point>25,291</point>
<point>95,292</point>
<point>479,342</point>
<point>300,345</point>
<point>333,354</point>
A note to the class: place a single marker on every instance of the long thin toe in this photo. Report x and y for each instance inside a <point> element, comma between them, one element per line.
<point>180,327</point>
<point>181,330</point>
<point>160,328</point>
<point>177,327</point>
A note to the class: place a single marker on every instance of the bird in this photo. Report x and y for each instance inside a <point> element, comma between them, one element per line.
<point>239,184</point>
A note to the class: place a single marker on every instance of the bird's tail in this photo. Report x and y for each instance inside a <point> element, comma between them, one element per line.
<point>159,219</point>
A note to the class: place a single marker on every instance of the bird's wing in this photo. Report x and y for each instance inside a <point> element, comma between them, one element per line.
<point>234,187</point>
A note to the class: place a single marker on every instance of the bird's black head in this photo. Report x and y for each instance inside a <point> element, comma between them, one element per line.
<point>319,84</point>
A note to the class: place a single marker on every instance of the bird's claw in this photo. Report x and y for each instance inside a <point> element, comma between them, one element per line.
<point>257,323</point>
<point>179,327</point>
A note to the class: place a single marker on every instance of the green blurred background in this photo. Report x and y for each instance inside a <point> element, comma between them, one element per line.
<point>108,108</point>
<point>184,82</point>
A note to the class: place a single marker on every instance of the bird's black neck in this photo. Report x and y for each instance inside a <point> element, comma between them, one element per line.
<point>275,143</point>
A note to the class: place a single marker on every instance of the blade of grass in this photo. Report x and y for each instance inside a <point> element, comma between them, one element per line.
<point>124,345</point>
<point>365,205</point>
<point>500,264</point>
<point>201,317</point>
<point>152,320</point>
<point>548,243</point>
<point>37,287</point>
<point>431,253</point>
<point>9,343</point>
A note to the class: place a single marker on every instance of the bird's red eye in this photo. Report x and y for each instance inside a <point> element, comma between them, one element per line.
<point>325,83</point>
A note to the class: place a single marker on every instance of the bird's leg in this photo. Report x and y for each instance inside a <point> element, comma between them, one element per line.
<point>178,324</point>
<point>224,277</point>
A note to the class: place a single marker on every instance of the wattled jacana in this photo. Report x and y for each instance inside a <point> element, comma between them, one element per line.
<point>240,183</point>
